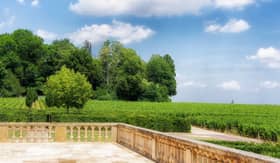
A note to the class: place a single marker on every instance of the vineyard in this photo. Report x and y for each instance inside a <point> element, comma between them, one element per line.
<point>257,121</point>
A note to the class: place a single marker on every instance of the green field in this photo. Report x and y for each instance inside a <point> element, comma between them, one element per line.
<point>257,121</point>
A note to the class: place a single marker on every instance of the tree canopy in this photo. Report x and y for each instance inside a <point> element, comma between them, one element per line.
<point>117,73</point>
<point>68,89</point>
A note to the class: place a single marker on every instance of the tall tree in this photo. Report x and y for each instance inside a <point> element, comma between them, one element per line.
<point>162,72</point>
<point>82,61</point>
<point>131,72</point>
<point>3,73</point>
<point>105,56</point>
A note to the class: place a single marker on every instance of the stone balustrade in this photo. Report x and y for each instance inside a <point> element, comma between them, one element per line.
<point>56,132</point>
<point>165,148</point>
<point>157,146</point>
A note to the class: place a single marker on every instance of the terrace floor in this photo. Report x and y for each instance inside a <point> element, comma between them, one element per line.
<point>204,134</point>
<point>68,153</point>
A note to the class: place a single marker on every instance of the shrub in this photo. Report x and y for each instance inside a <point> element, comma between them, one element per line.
<point>31,97</point>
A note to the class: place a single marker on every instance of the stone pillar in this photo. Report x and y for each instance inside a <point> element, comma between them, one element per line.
<point>114,133</point>
<point>4,134</point>
<point>154,148</point>
<point>60,134</point>
<point>188,156</point>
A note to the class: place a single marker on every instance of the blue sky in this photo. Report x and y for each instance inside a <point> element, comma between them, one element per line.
<point>223,49</point>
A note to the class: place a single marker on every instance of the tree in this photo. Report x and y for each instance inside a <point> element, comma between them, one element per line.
<point>3,73</point>
<point>67,89</point>
<point>130,74</point>
<point>11,86</point>
<point>154,92</point>
<point>31,97</point>
<point>161,70</point>
<point>105,56</point>
<point>129,87</point>
<point>80,60</point>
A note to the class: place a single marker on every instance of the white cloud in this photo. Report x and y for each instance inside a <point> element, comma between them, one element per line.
<point>232,26</point>
<point>230,85</point>
<point>232,4</point>
<point>47,36</point>
<point>8,22</point>
<point>267,56</point>
<point>8,19</point>
<point>34,2</point>
<point>152,7</point>
<point>20,1</point>
<point>182,81</point>
<point>192,84</point>
<point>270,84</point>
<point>123,32</point>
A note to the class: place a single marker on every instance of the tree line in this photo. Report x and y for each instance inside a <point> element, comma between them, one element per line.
<point>117,73</point>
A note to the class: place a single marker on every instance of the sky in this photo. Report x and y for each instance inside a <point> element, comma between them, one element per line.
<point>223,50</point>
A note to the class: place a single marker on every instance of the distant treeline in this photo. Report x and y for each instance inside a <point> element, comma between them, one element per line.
<point>116,73</point>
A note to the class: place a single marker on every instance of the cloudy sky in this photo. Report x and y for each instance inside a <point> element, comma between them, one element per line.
<point>224,50</point>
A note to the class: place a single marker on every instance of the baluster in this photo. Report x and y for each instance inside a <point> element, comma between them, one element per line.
<point>50,133</point>
<point>27,133</point>
<point>79,133</point>
<point>35,135</point>
<point>13,133</point>
<point>92,133</point>
<point>99,133</point>
<point>39,136</point>
<point>106,133</point>
<point>20,133</point>
<point>86,136</point>
<point>45,134</point>
<point>71,133</point>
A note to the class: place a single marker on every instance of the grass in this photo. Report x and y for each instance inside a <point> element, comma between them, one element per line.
<point>257,121</point>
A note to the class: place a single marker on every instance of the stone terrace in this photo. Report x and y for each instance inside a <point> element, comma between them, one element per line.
<point>68,153</point>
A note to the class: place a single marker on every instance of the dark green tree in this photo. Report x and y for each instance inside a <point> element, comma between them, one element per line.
<point>11,86</point>
<point>130,75</point>
<point>31,96</point>
<point>3,74</point>
<point>160,70</point>
<point>154,92</point>
<point>82,61</point>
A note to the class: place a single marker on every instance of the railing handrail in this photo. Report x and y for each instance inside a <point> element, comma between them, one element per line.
<point>57,123</point>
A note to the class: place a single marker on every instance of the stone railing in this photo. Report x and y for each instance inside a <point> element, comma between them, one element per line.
<point>165,148</point>
<point>157,146</point>
<point>57,132</point>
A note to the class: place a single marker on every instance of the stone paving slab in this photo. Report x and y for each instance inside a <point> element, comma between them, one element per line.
<point>204,134</point>
<point>68,153</point>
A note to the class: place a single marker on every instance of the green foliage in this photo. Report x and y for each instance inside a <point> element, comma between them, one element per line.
<point>154,92</point>
<point>3,73</point>
<point>161,70</point>
<point>119,70</point>
<point>81,61</point>
<point>11,86</point>
<point>31,97</point>
<point>67,89</point>
<point>129,88</point>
